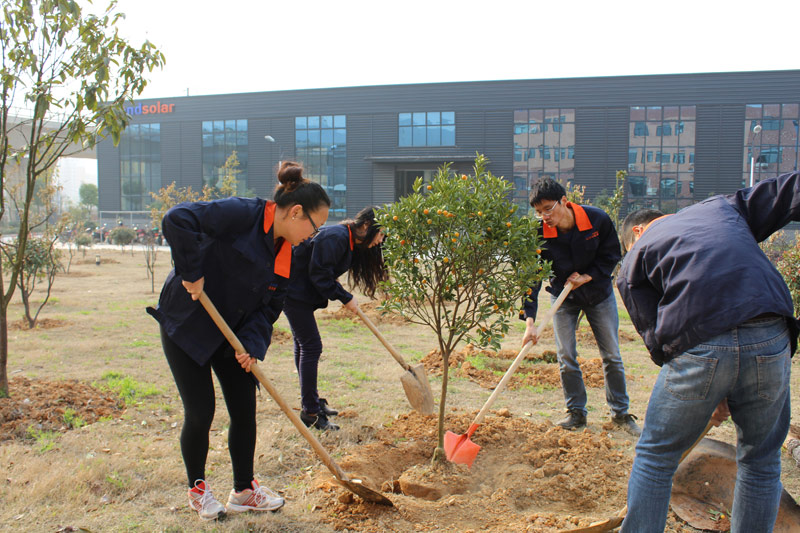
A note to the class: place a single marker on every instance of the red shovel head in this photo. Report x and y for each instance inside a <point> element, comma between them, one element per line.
<point>459,449</point>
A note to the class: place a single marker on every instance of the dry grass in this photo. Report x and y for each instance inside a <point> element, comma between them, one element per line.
<point>126,474</point>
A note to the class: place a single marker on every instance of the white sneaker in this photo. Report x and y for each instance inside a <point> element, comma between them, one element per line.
<point>256,499</point>
<point>202,500</point>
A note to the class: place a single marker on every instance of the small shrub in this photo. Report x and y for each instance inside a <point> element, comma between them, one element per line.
<point>789,267</point>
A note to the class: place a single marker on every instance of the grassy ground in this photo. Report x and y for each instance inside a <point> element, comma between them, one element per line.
<point>126,473</point>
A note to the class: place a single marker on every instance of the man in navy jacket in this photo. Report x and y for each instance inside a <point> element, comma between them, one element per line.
<point>582,245</point>
<point>718,318</point>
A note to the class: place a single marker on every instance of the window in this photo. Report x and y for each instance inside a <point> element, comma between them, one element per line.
<point>430,128</point>
<point>221,138</point>
<point>773,149</point>
<point>549,135</point>
<point>662,178</point>
<point>321,145</point>
<point>140,165</point>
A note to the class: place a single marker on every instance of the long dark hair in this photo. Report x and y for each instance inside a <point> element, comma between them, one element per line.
<point>293,189</point>
<point>366,268</point>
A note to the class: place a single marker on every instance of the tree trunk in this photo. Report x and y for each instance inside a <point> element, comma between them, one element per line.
<point>3,339</point>
<point>438,454</point>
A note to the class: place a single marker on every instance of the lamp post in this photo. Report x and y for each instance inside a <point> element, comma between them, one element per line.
<point>271,139</point>
<point>756,130</point>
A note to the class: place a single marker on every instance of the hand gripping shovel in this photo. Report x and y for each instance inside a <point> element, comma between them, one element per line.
<point>458,448</point>
<point>353,485</point>
<point>414,379</point>
<point>614,522</point>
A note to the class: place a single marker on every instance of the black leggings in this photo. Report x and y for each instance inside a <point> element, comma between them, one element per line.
<point>307,351</point>
<point>197,393</point>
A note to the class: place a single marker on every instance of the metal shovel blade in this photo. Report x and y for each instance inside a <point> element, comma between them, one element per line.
<point>459,449</point>
<point>354,485</point>
<point>418,390</point>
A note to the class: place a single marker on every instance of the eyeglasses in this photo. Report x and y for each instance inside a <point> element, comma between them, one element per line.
<point>542,214</point>
<point>316,229</point>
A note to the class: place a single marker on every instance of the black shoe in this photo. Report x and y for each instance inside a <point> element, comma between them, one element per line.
<point>575,419</point>
<point>323,406</point>
<point>318,421</point>
<point>627,422</point>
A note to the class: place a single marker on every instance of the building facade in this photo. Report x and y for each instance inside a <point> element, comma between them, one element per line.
<point>681,137</point>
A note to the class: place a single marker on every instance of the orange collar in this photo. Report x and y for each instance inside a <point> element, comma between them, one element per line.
<point>351,237</point>
<point>581,221</point>
<point>649,223</point>
<point>283,257</point>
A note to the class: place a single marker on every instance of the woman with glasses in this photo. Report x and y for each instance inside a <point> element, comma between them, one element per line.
<point>239,251</point>
<point>353,247</point>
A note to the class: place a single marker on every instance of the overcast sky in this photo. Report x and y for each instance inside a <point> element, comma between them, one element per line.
<point>233,46</point>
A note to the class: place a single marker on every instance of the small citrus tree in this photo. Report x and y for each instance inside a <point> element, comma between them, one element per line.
<point>789,267</point>
<point>459,260</point>
<point>40,264</point>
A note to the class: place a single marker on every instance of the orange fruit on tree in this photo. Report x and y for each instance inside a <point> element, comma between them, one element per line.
<point>426,211</point>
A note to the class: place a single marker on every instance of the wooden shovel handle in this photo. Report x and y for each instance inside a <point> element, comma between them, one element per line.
<point>518,360</point>
<point>374,330</point>
<point>262,377</point>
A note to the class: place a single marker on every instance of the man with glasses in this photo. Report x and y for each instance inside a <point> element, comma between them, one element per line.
<point>582,244</point>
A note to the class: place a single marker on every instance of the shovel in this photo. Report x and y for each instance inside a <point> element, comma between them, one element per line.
<point>353,485</point>
<point>614,522</point>
<point>458,448</point>
<point>414,379</point>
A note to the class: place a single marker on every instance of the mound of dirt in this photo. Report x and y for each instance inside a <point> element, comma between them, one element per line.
<point>371,310</point>
<point>42,323</point>
<point>281,335</point>
<point>486,368</point>
<point>42,405</point>
<point>527,477</point>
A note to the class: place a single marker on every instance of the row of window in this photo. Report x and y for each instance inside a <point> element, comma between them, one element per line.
<point>660,157</point>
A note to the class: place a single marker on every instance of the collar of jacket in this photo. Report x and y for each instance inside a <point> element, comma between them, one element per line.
<point>350,232</point>
<point>581,220</point>
<point>283,256</point>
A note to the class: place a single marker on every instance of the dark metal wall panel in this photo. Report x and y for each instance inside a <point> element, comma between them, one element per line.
<point>382,184</point>
<point>359,170</point>
<point>601,147</point>
<point>498,142</point>
<point>719,145</point>
<point>109,194</point>
<point>171,154</point>
<point>259,167</point>
<point>191,156</point>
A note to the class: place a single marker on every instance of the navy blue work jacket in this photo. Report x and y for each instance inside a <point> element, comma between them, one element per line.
<point>316,265</point>
<point>591,247</point>
<point>231,244</point>
<point>700,272</point>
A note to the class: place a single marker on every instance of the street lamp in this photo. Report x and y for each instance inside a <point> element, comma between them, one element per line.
<point>756,130</point>
<point>271,139</point>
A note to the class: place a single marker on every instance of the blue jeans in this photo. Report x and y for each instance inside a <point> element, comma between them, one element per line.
<point>750,366</point>
<point>604,321</point>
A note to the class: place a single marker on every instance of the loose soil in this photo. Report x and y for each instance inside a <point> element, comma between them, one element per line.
<point>370,309</point>
<point>40,405</point>
<point>527,477</point>
<point>486,368</point>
